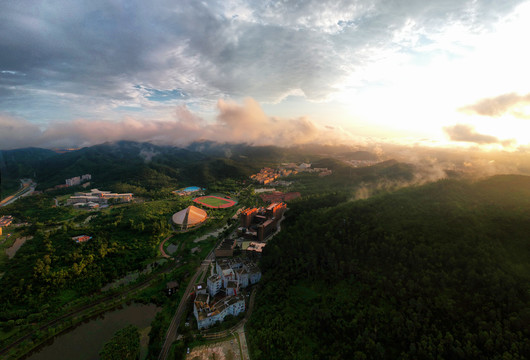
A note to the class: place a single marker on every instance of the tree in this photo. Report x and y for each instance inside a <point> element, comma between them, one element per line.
<point>125,344</point>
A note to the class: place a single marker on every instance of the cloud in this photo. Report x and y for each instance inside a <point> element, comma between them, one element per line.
<point>90,58</point>
<point>14,131</point>
<point>500,105</point>
<point>246,123</point>
<point>467,133</point>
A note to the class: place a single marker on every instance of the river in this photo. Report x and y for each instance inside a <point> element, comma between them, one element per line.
<point>85,341</point>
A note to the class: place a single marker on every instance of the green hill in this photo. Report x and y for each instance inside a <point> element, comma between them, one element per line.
<point>136,164</point>
<point>17,164</point>
<point>440,271</point>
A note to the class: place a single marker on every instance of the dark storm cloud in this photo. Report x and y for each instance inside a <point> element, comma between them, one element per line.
<point>500,105</point>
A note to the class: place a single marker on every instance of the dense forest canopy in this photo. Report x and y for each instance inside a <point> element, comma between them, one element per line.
<point>438,271</point>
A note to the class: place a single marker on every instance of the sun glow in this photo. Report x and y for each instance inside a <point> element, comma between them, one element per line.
<point>458,69</point>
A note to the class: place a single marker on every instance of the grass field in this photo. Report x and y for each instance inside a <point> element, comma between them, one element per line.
<point>214,202</point>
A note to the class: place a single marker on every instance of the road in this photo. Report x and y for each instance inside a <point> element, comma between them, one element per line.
<point>161,247</point>
<point>243,340</point>
<point>28,186</point>
<point>171,333</point>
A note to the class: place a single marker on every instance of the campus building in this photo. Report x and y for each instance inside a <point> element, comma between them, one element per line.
<point>95,196</point>
<point>215,284</point>
<point>243,271</point>
<point>77,180</point>
<point>6,220</point>
<point>189,217</point>
<point>207,315</point>
<point>232,275</point>
<point>278,196</point>
<point>260,223</point>
<point>226,248</point>
<point>81,238</point>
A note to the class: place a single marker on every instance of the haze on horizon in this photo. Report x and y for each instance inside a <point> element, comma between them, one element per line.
<point>445,73</point>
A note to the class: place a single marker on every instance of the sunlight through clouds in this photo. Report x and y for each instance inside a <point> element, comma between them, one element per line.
<point>394,70</point>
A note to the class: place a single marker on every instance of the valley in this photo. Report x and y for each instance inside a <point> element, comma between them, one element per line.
<point>414,269</point>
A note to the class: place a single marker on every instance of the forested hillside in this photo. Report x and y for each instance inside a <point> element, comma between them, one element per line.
<point>17,164</point>
<point>141,164</point>
<point>125,165</point>
<point>440,271</point>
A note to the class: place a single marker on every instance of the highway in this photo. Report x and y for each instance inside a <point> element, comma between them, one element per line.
<point>172,333</point>
<point>27,187</point>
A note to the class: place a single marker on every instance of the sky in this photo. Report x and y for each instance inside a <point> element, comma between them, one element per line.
<point>436,73</point>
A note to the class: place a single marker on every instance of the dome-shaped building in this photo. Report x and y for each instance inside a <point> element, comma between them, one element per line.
<point>189,217</point>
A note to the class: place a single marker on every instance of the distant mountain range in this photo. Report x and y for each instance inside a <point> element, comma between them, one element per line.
<point>150,165</point>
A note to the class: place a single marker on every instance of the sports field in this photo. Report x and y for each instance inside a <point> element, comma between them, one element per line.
<point>214,202</point>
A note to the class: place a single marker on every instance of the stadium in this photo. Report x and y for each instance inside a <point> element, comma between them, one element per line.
<point>214,202</point>
<point>189,217</point>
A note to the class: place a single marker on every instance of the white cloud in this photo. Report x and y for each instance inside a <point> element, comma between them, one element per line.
<point>246,123</point>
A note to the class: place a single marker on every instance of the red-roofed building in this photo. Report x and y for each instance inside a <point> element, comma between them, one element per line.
<point>81,238</point>
<point>278,196</point>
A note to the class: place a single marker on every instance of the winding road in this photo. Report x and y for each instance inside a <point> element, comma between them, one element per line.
<point>161,247</point>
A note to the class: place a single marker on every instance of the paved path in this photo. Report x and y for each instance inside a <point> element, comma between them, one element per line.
<point>171,333</point>
<point>161,247</point>
<point>243,340</point>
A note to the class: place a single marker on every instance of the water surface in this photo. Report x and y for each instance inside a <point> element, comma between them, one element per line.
<point>86,340</point>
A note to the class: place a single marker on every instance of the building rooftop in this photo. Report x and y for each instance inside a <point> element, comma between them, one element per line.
<point>227,244</point>
<point>172,284</point>
<point>202,298</point>
<point>190,216</point>
<point>214,277</point>
<point>255,246</point>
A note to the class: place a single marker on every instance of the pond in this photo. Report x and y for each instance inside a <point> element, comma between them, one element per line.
<point>85,341</point>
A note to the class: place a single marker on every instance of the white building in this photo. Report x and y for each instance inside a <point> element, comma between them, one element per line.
<point>227,275</point>
<point>208,315</point>
<point>73,181</point>
<point>232,288</point>
<point>242,277</point>
<point>215,284</point>
<point>243,271</point>
<point>232,275</point>
<point>98,197</point>
<point>254,274</point>
<point>77,180</point>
